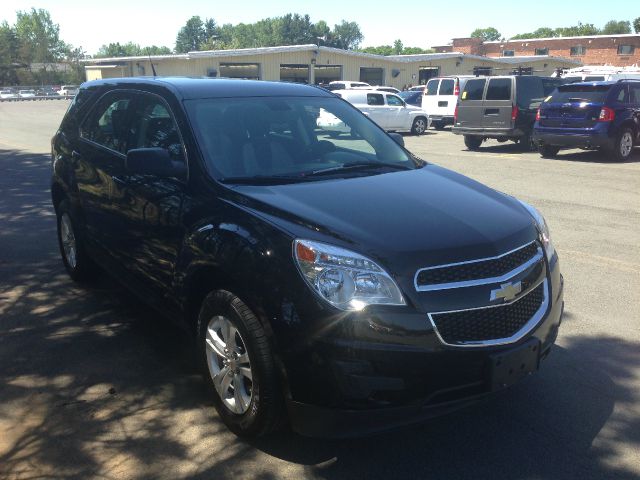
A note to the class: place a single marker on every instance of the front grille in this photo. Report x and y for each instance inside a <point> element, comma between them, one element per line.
<point>475,270</point>
<point>493,323</point>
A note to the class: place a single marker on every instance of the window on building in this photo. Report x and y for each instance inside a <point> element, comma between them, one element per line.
<point>578,50</point>
<point>425,73</point>
<point>372,76</point>
<point>542,51</point>
<point>508,53</point>
<point>626,49</point>
<point>250,71</point>
<point>296,73</point>
<point>484,71</point>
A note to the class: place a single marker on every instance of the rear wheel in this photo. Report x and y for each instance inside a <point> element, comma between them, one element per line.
<point>438,125</point>
<point>419,126</point>
<point>472,142</point>
<point>238,366</point>
<point>78,264</point>
<point>548,151</point>
<point>623,145</point>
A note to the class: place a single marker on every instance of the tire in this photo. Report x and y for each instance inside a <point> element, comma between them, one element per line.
<point>239,366</point>
<point>419,126</point>
<point>548,151</point>
<point>622,147</point>
<point>527,144</point>
<point>438,125</point>
<point>77,263</point>
<point>472,142</point>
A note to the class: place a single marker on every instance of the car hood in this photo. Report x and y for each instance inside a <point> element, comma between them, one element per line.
<point>428,216</point>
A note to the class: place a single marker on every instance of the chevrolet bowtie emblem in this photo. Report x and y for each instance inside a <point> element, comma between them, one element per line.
<point>507,291</point>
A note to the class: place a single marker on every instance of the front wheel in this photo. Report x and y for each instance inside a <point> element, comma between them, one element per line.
<point>548,151</point>
<point>239,366</point>
<point>419,126</point>
<point>623,145</point>
<point>472,142</point>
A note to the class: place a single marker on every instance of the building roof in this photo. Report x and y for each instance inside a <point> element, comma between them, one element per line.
<point>583,37</point>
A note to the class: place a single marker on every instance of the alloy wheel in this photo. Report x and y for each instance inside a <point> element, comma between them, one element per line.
<point>229,364</point>
<point>626,144</point>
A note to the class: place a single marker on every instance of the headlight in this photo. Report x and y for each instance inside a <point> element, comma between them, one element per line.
<point>543,228</point>
<point>345,279</point>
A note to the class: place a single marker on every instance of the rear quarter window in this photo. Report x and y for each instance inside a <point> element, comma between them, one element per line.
<point>473,89</point>
<point>499,89</point>
<point>432,87</point>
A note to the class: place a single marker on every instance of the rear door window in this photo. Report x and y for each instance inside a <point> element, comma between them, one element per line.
<point>446,87</point>
<point>107,124</point>
<point>473,89</point>
<point>580,93</point>
<point>375,99</point>
<point>634,94</point>
<point>432,87</point>
<point>499,89</point>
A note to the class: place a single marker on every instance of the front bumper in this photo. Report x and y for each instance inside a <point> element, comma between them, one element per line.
<point>378,385</point>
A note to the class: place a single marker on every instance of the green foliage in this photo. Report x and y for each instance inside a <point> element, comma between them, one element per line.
<point>38,37</point>
<point>486,34</point>
<point>615,27</point>
<point>397,49</point>
<point>636,25</point>
<point>130,49</point>
<point>192,36</point>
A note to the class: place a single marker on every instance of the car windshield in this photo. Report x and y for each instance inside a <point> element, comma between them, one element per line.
<point>291,139</point>
<point>580,93</point>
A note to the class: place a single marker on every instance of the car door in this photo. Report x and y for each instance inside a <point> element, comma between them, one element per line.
<point>429,96</point>
<point>99,158</point>
<point>634,100</point>
<point>498,104</point>
<point>397,113</point>
<point>376,109</point>
<point>446,100</point>
<point>470,104</point>
<point>150,207</point>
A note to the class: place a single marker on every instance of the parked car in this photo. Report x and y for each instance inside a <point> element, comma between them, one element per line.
<point>47,92</point>
<point>440,97</point>
<point>68,90</point>
<point>387,110</point>
<point>8,94</point>
<point>412,97</point>
<point>343,284</point>
<point>597,115</point>
<point>27,94</point>
<point>417,88</point>
<point>381,88</point>
<point>503,108</point>
<point>345,84</point>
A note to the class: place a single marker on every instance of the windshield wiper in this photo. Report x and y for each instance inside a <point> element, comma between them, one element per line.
<point>356,166</point>
<point>263,179</point>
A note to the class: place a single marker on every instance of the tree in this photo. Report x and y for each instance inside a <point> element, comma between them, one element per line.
<point>486,34</point>
<point>393,50</point>
<point>543,32</point>
<point>38,37</point>
<point>615,27</point>
<point>398,47</point>
<point>191,36</point>
<point>582,29</point>
<point>346,35</point>
<point>636,25</point>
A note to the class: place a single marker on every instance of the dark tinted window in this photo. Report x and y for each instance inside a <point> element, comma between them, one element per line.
<point>542,51</point>
<point>594,78</point>
<point>499,89</point>
<point>106,125</point>
<point>508,53</point>
<point>634,94</point>
<point>375,99</point>
<point>152,125</point>
<point>626,49</point>
<point>446,87</point>
<point>432,87</point>
<point>473,89</point>
<point>578,50</point>
<point>580,93</point>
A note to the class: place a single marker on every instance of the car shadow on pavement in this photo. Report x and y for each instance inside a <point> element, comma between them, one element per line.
<point>93,384</point>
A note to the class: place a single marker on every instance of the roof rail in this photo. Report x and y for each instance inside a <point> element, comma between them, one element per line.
<point>628,80</point>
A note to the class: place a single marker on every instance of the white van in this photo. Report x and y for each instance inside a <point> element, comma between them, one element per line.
<point>440,97</point>
<point>388,110</point>
<point>68,90</point>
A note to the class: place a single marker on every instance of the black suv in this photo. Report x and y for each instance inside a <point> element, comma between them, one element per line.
<point>337,282</point>
<point>603,115</point>
<point>502,108</point>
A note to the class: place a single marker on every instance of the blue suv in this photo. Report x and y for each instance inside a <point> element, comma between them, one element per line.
<point>604,115</point>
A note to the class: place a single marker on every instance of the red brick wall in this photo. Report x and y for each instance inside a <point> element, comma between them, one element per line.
<point>471,46</point>
<point>600,51</point>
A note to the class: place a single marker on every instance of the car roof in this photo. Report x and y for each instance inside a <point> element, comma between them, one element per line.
<point>192,88</point>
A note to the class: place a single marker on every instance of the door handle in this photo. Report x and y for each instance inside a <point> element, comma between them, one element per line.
<point>492,111</point>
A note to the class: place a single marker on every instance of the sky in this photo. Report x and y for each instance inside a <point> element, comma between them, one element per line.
<point>418,23</point>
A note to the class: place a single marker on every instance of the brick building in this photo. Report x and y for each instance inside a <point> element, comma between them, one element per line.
<point>616,50</point>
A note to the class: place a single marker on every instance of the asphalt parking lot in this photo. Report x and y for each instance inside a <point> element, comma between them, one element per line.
<point>94,385</point>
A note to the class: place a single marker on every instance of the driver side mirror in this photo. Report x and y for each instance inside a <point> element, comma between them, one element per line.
<point>399,139</point>
<point>154,161</point>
